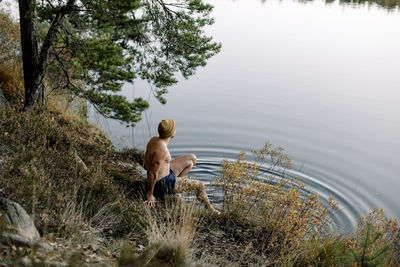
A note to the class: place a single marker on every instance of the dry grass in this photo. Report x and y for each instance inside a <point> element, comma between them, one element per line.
<point>176,221</point>
<point>81,208</point>
<point>170,231</point>
<point>42,173</point>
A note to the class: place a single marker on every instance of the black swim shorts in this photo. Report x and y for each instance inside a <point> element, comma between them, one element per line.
<point>165,186</point>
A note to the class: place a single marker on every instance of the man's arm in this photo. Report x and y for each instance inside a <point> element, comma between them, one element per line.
<point>153,174</point>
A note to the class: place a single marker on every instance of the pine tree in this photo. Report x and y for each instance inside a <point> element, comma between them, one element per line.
<point>368,253</point>
<point>98,46</point>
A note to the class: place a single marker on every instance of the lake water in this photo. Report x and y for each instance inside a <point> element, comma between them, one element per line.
<point>320,80</point>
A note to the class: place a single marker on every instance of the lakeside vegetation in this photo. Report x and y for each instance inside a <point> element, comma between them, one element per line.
<point>84,198</point>
<point>95,209</point>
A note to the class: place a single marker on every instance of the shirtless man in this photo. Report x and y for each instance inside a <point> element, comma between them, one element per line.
<point>164,174</point>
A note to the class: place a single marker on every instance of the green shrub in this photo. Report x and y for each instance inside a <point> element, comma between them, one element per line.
<point>376,241</point>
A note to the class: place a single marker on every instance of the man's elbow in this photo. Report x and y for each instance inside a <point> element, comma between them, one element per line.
<point>155,165</point>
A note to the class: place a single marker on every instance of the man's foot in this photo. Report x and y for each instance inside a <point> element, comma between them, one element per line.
<point>214,211</point>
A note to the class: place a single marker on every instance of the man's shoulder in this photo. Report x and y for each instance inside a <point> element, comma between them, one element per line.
<point>153,142</point>
<point>153,139</point>
<point>156,145</point>
<point>156,141</point>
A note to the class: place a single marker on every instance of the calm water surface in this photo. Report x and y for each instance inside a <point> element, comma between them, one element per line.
<point>320,80</point>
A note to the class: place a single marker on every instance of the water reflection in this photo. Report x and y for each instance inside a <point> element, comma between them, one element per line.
<point>387,4</point>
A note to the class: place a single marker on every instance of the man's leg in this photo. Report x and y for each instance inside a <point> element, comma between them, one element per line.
<point>184,184</point>
<point>183,164</point>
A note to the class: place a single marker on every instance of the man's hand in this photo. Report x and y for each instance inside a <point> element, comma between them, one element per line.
<point>151,201</point>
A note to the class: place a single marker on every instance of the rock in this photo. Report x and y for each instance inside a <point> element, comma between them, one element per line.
<point>142,173</point>
<point>125,165</point>
<point>3,101</point>
<point>16,225</point>
<point>16,239</point>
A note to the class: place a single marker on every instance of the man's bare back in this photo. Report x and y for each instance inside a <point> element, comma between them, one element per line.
<point>157,154</point>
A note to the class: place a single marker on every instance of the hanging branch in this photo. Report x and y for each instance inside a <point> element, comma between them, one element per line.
<point>70,83</point>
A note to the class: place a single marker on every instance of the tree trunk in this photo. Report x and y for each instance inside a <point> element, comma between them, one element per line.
<point>30,51</point>
<point>35,59</point>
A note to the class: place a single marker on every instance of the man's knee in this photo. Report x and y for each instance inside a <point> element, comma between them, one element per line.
<point>193,158</point>
<point>190,161</point>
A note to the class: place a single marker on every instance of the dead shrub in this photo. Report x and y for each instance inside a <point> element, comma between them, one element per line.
<point>274,203</point>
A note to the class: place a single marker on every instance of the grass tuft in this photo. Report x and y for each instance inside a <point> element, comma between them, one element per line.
<point>170,232</point>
